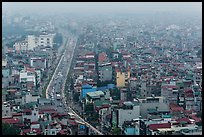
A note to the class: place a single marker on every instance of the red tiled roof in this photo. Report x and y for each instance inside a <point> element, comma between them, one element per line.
<point>17,114</point>
<point>12,90</point>
<point>175,108</point>
<point>102,57</point>
<point>63,132</point>
<point>72,122</point>
<point>20,125</point>
<point>27,110</point>
<point>61,115</point>
<point>38,130</point>
<point>35,122</point>
<point>11,120</point>
<point>183,119</point>
<point>26,131</point>
<point>188,90</point>
<point>194,117</point>
<point>157,126</point>
<point>30,84</point>
<point>169,86</point>
<point>188,111</point>
<point>30,69</point>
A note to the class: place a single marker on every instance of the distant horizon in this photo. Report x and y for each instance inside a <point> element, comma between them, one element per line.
<point>100,7</point>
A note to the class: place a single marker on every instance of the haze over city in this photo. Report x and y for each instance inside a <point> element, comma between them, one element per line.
<point>101,7</point>
<point>100,68</point>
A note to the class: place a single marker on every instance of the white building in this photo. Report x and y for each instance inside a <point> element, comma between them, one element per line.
<point>21,46</point>
<point>6,109</point>
<point>27,76</point>
<point>46,40</point>
<point>32,42</point>
<point>4,62</point>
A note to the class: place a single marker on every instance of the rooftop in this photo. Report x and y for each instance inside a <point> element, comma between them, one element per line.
<point>95,94</point>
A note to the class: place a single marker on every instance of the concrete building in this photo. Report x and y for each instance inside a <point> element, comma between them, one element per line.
<point>31,97</point>
<point>32,42</point>
<point>92,96</point>
<point>129,111</point>
<point>153,105</point>
<point>105,72</point>
<point>26,76</point>
<point>134,87</point>
<point>38,63</point>
<point>46,40</point>
<point>31,114</point>
<point>6,109</point>
<point>122,78</point>
<point>21,46</point>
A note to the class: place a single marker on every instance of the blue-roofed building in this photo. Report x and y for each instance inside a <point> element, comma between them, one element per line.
<point>85,89</point>
<point>88,88</point>
<point>109,86</point>
<point>5,72</point>
<point>102,88</point>
<point>131,131</point>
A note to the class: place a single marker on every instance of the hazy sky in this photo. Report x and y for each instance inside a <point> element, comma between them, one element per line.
<point>101,7</point>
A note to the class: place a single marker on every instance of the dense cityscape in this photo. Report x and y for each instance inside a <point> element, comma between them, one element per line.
<point>107,74</point>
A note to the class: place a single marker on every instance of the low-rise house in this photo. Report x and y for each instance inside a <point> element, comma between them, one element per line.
<point>130,128</point>
<point>6,109</point>
<point>10,120</point>
<point>85,89</point>
<point>52,129</point>
<point>31,114</point>
<point>189,99</point>
<point>92,96</point>
<point>21,46</point>
<point>38,63</point>
<point>28,75</point>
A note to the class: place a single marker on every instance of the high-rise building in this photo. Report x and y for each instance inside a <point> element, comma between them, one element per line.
<point>32,42</point>
<point>46,40</point>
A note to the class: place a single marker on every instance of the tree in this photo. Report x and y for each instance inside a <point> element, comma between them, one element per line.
<point>116,131</point>
<point>76,96</point>
<point>115,93</point>
<point>8,129</point>
<point>199,114</point>
<point>89,108</point>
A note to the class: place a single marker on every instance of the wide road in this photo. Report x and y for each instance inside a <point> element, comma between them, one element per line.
<point>55,86</point>
<point>55,90</point>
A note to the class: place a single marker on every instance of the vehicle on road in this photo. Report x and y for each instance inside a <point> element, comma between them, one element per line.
<point>58,97</point>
